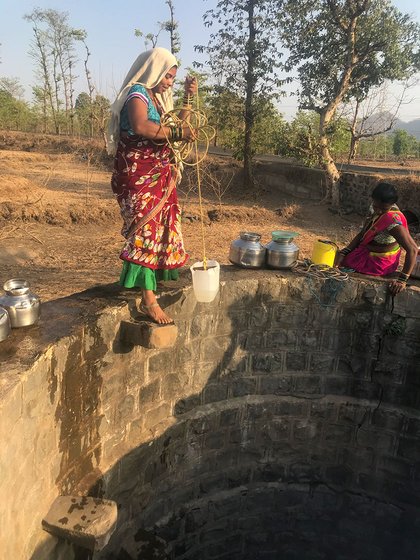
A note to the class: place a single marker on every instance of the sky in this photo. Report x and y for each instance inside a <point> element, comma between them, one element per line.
<point>110,26</point>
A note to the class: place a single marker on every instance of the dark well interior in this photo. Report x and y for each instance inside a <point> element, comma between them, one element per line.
<point>294,436</point>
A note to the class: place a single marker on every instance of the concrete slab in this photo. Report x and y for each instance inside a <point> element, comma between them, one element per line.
<point>85,521</point>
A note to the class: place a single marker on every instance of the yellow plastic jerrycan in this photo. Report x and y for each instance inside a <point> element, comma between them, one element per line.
<point>324,252</point>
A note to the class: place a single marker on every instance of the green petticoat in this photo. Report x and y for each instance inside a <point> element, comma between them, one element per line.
<point>137,276</point>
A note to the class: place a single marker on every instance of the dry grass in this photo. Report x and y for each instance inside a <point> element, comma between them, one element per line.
<point>289,211</point>
<point>60,224</point>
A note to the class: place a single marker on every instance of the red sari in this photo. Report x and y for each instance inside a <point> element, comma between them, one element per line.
<point>144,183</point>
<point>364,260</point>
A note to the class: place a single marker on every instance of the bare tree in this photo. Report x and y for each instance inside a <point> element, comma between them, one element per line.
<point>40,53</point>
<point>91,88</point>
<point>373,115</point>
<point>53,49</point>
<point>170,25</point>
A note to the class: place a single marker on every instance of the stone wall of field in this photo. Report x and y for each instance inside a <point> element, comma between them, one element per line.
<point>295,180</point>
<point>355,192</point>
<point>285,422</point>
<point>355,188</point>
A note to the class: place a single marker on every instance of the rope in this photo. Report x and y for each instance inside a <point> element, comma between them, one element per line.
<point>321,271</point>
<point>333,280</point>
<point>182,150</point>
<point>200,198</point>
<point>197,122</point>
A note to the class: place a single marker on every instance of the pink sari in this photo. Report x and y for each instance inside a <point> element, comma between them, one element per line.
<point>364,260</point>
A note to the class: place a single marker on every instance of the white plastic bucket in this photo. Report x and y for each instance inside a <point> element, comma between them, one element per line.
<point>205,282</point>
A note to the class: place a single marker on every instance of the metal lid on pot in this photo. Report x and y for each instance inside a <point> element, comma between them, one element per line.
<point>16,286</point>
<point>282,235</point>
<point>250,236</point>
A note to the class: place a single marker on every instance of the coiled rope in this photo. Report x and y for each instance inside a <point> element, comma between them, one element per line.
<point>321,271</point>
<point>197,123</point>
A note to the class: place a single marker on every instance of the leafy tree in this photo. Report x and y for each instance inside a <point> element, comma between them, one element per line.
<point>92,113</point>
<point>268,128</point>
<point>358,45</point>
<point>83,110</point>
<point>300,138</point>
<point>15,114</point>
<point>226,116</point>
<point>243,57</point>
<point>376,147</point>
<point>101,112</point>
<point>339,137</point>
<point>403,143</point>
<point>12,86</point>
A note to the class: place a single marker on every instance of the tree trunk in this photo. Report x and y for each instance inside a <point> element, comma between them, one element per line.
<point>44,66</point>
<point>249,108</point>
<point>354,145</point>
<point>327,162</point>
<point>44,110</point>
<point>173,26</point>
<point>91,88</point>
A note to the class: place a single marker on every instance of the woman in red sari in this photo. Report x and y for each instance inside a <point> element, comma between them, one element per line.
<point>146,174</point>
<point>376,249</point>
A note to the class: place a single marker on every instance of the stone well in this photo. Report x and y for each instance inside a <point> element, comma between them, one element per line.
<point>283,424</point>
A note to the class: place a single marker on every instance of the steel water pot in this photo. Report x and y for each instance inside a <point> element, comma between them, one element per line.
<point>22,306</point>
<point>282,252</point>
<point>247,251</point>
<point>5,327</point>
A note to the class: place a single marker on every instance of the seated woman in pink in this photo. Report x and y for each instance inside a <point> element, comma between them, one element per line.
<point>376,249</point>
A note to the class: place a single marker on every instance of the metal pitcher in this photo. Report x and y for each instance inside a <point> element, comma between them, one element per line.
<point>22,306</point>
<point>282,252</point>
<point>247,251</point>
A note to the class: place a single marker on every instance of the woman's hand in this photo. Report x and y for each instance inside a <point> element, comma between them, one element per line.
<point>340,256</point>
<point>395,287</point>
<point>189,134</point>
<point>190,86</point>
<point>338,259</point>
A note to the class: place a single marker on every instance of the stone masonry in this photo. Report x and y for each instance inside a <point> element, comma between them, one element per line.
<point>355,192</point>
<point>285,422</point>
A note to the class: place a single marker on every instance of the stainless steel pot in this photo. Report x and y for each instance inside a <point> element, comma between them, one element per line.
<point>22,306</point>
<point>5,327</point>
<point>282,252</point>
<point>247,251</point>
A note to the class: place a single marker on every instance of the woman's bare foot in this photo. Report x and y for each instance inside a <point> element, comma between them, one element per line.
<point>150,307</point>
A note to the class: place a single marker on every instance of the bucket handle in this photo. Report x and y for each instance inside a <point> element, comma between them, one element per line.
<point>328,242</point>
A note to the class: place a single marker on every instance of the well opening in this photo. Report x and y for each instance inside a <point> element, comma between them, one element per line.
<point>295,446</point>
<point>284,424</point>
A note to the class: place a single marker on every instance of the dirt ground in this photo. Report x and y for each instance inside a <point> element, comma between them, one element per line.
<point>60,225</point>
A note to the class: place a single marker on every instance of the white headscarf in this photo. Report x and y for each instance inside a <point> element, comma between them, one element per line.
<point>148,70</point>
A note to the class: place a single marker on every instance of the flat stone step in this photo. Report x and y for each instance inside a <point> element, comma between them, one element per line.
<point>141,332</point>
<point>82,520</point>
